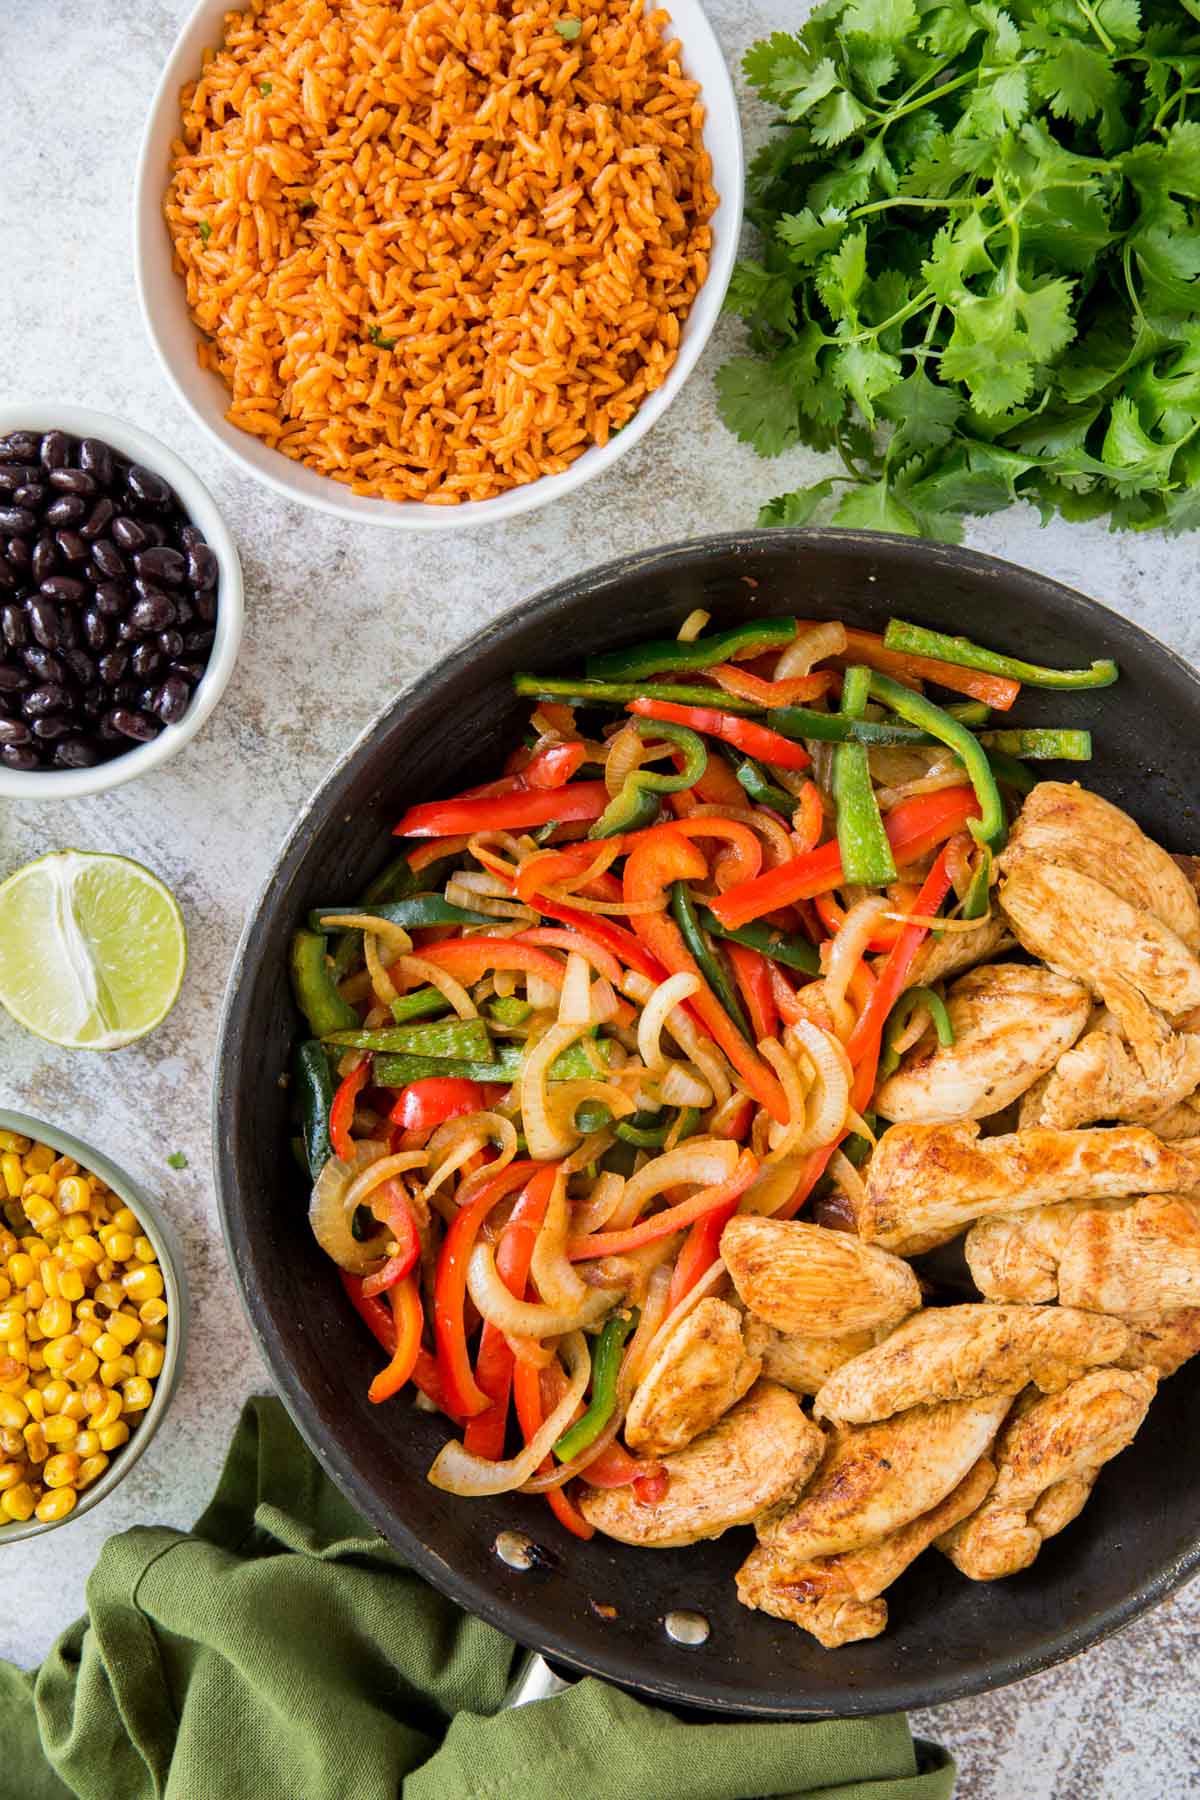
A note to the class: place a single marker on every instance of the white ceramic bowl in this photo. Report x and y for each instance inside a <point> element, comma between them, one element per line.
<point>174,336</point>
<point>198,503</point>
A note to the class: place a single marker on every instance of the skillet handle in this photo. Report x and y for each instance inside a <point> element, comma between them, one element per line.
<point>534,1680</point>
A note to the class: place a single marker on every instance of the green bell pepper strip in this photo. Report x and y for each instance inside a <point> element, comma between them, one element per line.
<point>653,1137</point>
<point>508,1010</point>
<point>898,1018</point>
<point>991,828</point>
<point>315,988</point>
<point>707,961</point>
<point>663,654</point>
<point>1041,743</point>
<point>422,1003</point>
<point>313,1080</point>
<point>606,1365</point>
<point>1011,773</point>
<point>392,1070</point>
<point>768,940</point>
<point>835,728</point>
<point>975,900</point>
<point>758,784</point>
<point>915,640</point>
<point>466,1040</point>
<point>636,806</point>
<point>856,1148</point>
<point>619,693</point>
<point>867,859</point>
<point>413,913</point>
<point>393,882</point>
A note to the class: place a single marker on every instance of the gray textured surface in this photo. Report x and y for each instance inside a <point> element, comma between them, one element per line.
<point>337,618</point>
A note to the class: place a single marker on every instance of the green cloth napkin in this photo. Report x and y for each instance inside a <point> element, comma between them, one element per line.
<point>281,1651</point>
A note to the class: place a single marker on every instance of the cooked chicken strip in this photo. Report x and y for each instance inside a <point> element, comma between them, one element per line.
<point>1133,1257</point>
<point>1074,827</point>
<point>954,951</point>
<point>925,1182</point>
<point>1163,1342</point>
<point>801,1363</point>
<point>1011,1024</point>
<point>700,1372</point>
<point>755,1458</point>
<point>1104,1077</point>
<point>836,1598</point>
<point>1182,1121</point>
<point>967,1352</point>
<point>876,1478</point>
<point>1058,1439</point>
<point>806,1279</point>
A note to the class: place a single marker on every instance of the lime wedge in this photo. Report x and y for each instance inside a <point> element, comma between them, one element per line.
<point>92,949</point>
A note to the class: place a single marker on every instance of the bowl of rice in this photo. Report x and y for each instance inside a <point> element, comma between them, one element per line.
<point>433,264</point>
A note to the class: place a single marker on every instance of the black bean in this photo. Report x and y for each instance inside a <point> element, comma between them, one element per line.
<point>97,459</point>
<point>17,518</point>
<point>63,587</point>
<point>108,559</point>
<point>16,475</point>
<point>45,558</point>
<point>54,725</point>
<point>82,667</point>
<point>189,535</point>
<point>190,671</point>
<point>44,664</point>
<point>8,575</point>
<point>20,446</point>
<point>54,450</point>
<point>147,486</point>
<point>74,481</point>
<point>197,644</point>
<point>12,679</point>
<point>203,567</point>
<point>53,697</point>
<point>173,700</point>
<point>125,693</point>
<point>14,625</point>
<point>13,731</point>
<point>68,622</point>
<point>128,533</point>
<point>66,511</point>
<point>153,612</point>
<point>206,607</point>
<point>171,643</point>
<point>185,612</point>
<point>112,666</point>
<point>98,519</point>
<point>134,724</point>
<point>31,495</point>
<point>45,622</point>
<point>148,698</point>
<point>95,629</point>
<point>19,756</point>
<point>155,534</point>
<point>108,731</point>
<point>161,563</point>
<point>146,658</point>
<point>110,598</point>
<point>18,552</point>
<point>75,753</point>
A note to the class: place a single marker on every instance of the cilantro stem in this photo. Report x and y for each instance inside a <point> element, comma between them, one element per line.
<point>1126,265</point>
<point>875,206</point>
<point>947,87</point>
<point>1096,26</point>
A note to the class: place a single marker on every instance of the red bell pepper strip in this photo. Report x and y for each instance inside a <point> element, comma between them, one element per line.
<point>527,1396</point>
<point>700,1251</point>
<point>424,1104</point>
<point>756,740</point>
<point>814,1167</point>
<point>390,1205</point>
<point>469,959</point>
<point>867,647</point>
<point>614,1467</point>
<point>484,1435</point>
<point>665,855</point>
<point>436,850</point>
<point>377,1317</point>
<point>793,690</point>
<point>737,1127</point>
<point>753,973</point>
<point>913,828</point>
<point>410,1318</point>
<point>808,819</point>
<point>648,1490</point>
<point>671,1219</point>
<point>554,766</point>
<point>863,1044</point>
<point>341,1113</point>
<point>463,1392</point>
<point>579,942</point>
<point>718,786</point>
<point>623,944</point>
<point>546,867</point>
<point>516,811</point>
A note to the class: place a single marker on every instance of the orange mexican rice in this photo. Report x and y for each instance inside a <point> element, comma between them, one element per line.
<point>439,250</point>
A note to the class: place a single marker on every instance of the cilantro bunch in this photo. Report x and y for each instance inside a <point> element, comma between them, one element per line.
<point>979,273</point>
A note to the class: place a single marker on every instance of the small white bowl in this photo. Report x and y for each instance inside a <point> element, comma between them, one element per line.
<point>174,336</point>
<point>198,503</point>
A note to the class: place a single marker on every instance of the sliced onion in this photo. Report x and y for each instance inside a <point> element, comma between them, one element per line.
<point>704,1161</point>
<point>541,994</point>
<point>575,1000</point>
<point>486,848</point>
<point>625,754</point>
<point>564,1098</point>
<point>682,1086</point>
<point>594,1213</point>
<point>847,1177</point>
<point>420,972</point>
<point>774,1184</point>
<point>692,626</point>
<point>811,646</point>
<point>459,892</point>
<point>654,1311</point>
<point>526,1318</point>
<point>783,1139</point>
<point>547,1142</point>
<point>456,1471</point>
<point>708,1282</point>
<point>606,855</point>
<point>759,819</point>
<point>380,1171</point>
<point>842,954</point>
<point>330,1217</point>
<point>625,909</point>
<point>915,1027</point>
<point>395,936</point>
<point>660,1002</point>
<point>824,1112</point>
<point>558,1284</point>
<point>457,1140</point>
<point>589,1150</point>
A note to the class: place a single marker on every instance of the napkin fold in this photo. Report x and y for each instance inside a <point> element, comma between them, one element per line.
<point>281,1651</point>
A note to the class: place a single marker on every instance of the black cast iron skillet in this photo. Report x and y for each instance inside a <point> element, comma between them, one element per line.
<point>1139,1536</point>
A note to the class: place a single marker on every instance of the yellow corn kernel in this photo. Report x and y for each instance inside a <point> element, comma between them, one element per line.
<point>148,1359</point>
<point>107,1411</point>
<point>10,1474</point>
<point>36,1247</point>
<point>63,1165</point>
<point>61,1352</point>
<point>114,1435</point>
<point>155,1334</point>
<point>119,1244</point>
<point>89,1246</point>
<point>109,1293</point>
<point>72,1407</point>
<point>12,1324</point>
<point>21,1268</point>
<point>18,1502</point>
<point>120,1368</point>
<point>35,1403</point>
<point>88,1330</point>
<point>125,1220</point>
<point>125,1327</point>
<point>152,1312</point>
<point>107,1347</point>
<point>55,1393</point>
<point>35,1293</point>
<point>85,1308</point>
<point>13,1173</point>
<point>143,1283</point>
<point>49,1275</point>
<point>144,1250</point>
<point>11,1441</point>
<point>85,1365</point>
<point>70,1284</point>
<point>39,1158</point>
<point>60,1429</point>
<point>86,1443</point>
<point>5,1287</point>
<point>76,1226</point>
<point>55,1318</point>
<point>36,1448</point>
<point>13,1412</point>
<point>12,1140</point>
<point>42,1185</point>
<point>90,1468</point>
<point>136,1393</point>
<point>37,1356</point>
<point>73,1195</point>
<point>61,1471</point>
<point>54,1506</point>
<point>40,1213</point>
<point>106,1270</point>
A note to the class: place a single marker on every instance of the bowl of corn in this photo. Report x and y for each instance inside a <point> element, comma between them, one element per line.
<point>92,1320</point>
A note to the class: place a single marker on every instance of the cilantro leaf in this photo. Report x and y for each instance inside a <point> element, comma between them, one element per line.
<point>757,407</point>
<point>761,294</point>
<point>808,237</point>
<point>924,412</point>
<point>797,508</point>
<point>873,507</point>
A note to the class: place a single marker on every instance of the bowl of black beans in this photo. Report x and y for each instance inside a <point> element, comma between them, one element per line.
<point>120,602</point>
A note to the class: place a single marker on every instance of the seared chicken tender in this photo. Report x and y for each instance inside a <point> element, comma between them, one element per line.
<point>966,1352</point>
<point>1047,1458</point>
<point>1011,1024</point>
<point>956,951</point>
<point>1163,1342</point>
<point>808,1280</point>
<point>876,1478</point>
<point>1131,1257</point>
<point>802,1363</point>
<point>1105,1077</point>
<point>753,1459</point>
<point>699,1373</point>
<point>836,1598</point>
<point>925,1182</point>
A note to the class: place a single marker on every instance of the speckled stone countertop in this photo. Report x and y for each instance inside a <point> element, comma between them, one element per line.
<point>337,618</point>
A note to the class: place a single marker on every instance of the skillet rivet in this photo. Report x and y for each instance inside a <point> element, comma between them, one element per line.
<point>515,1549</point>
<point>689,1628</point>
